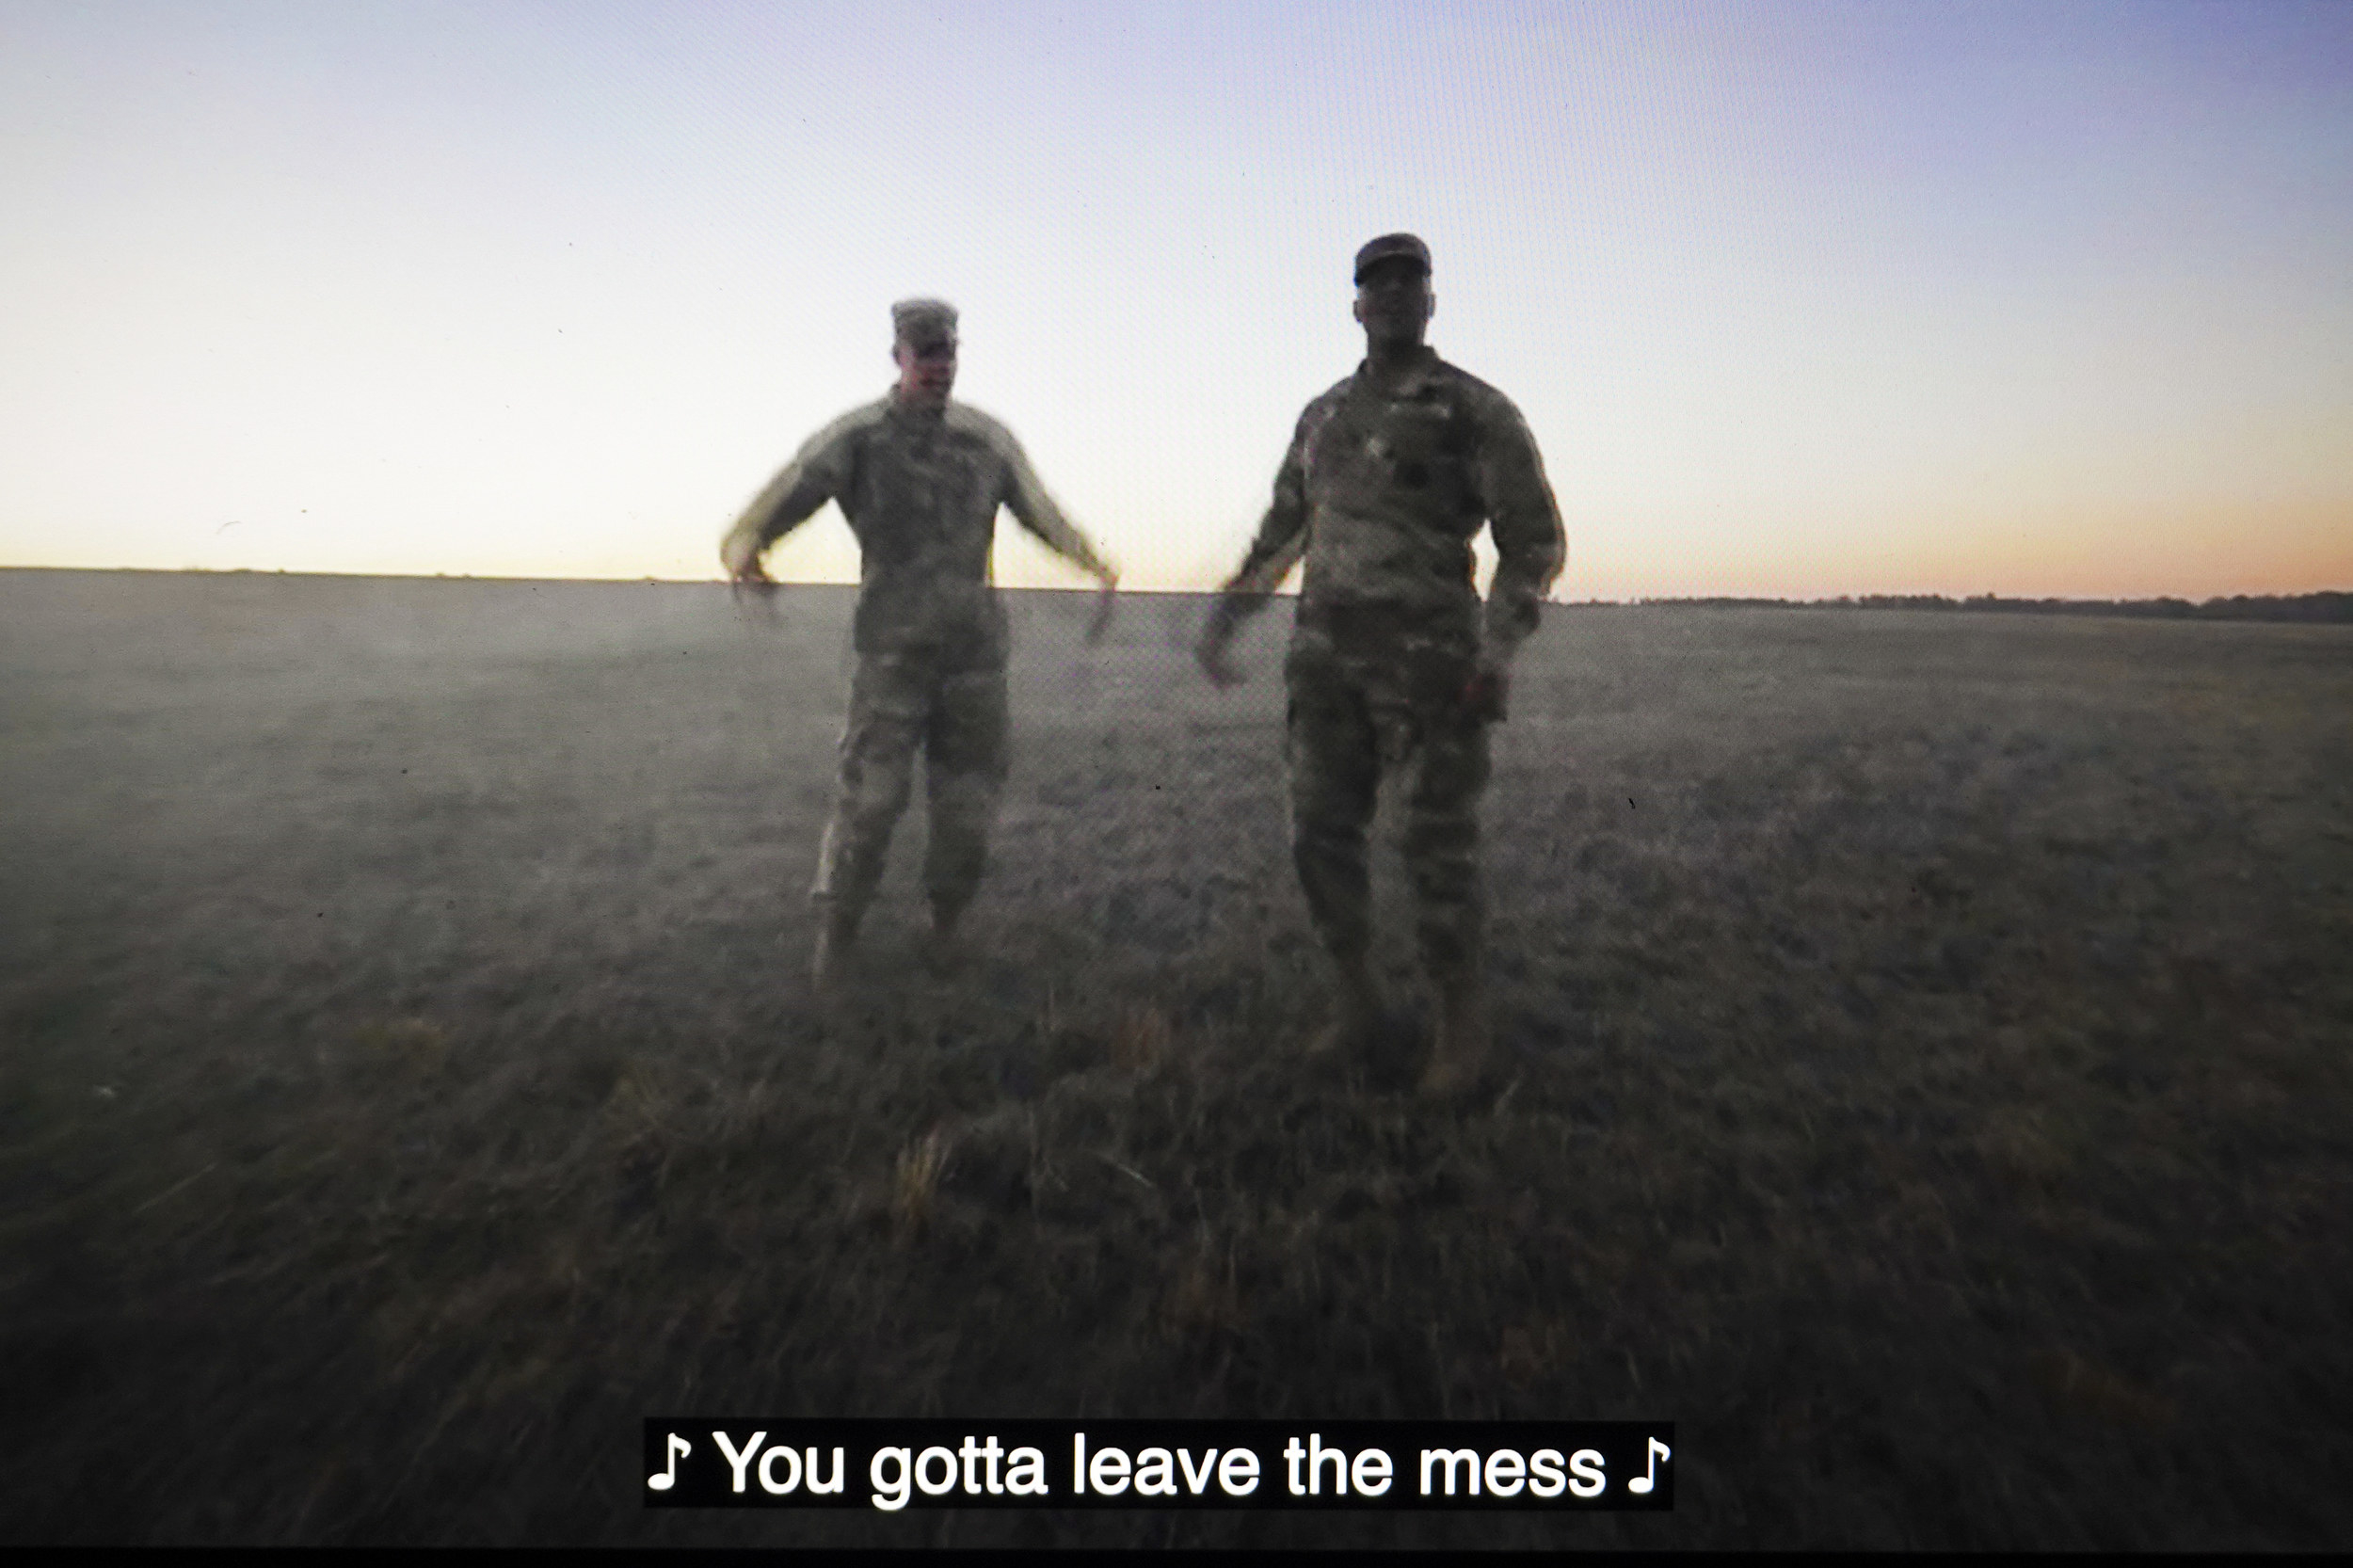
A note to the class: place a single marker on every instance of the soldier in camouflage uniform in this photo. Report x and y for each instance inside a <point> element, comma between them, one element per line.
<point>1393,666</point>
<point>920,479</point>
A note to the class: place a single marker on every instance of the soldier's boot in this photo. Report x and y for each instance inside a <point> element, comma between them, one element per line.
<point>1355,1021</point>
<point>1458,1062</point>
<point>837,940</point>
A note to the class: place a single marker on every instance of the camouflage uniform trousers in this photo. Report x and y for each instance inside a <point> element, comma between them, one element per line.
<point>1353,718</point>
<point>957,717</point>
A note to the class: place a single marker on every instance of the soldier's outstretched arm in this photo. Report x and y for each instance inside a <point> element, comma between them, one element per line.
<point>1531,544</point>
<point>1034,509</point>
<point>1282,539</point>
<point>817,474</point>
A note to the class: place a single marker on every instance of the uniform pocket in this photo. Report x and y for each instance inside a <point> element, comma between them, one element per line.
<point>1435,676</point>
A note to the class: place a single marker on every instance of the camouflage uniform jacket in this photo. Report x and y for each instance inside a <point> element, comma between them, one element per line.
<point>1383,491</point>
<point>920,489</point>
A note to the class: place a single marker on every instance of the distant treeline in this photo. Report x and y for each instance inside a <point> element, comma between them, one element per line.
<point>2301,607</point>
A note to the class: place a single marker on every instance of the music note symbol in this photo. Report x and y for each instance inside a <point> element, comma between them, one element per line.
<point>668,1478</point>
<point>1641,1484</point>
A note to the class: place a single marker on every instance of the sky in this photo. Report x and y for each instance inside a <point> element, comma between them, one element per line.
<point>1800,299</point>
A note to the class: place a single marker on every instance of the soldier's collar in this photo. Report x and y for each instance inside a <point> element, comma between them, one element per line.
<point>901,408</point>
<point>1423,366</point>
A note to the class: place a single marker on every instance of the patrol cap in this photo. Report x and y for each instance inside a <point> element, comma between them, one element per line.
<point>1388,245</point>
<point>924,323</point>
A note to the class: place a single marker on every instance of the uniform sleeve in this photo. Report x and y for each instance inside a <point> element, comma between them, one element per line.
<point>819,472</point>
<point>1034,510</point>
<point>1282,537</point>
<point>1531,544</point>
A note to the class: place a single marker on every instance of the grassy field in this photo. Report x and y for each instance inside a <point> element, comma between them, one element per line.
<point>1927,1043</point>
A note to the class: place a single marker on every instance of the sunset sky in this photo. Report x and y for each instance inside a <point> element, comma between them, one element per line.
<point>1801,299</point>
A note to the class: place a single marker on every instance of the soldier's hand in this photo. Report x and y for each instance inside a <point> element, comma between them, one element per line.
<point>751,587</point>
<point>1104,602</point>
<point>1484,694</point>
<point>746,572</point>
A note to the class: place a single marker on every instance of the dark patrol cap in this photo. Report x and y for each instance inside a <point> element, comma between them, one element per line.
<point>924,323</point>
<point>1388,245</point>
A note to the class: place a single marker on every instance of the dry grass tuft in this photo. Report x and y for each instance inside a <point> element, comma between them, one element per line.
<point>1532,1352</point>
<point>2021,1147</point>
<point>1203,1298</point>
<point>2081,1386</point>
<point>418,1045</point>
<point>1141,1040</point>
<point>915,1184</point>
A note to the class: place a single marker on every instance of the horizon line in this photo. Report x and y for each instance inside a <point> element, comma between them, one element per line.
<point>1728,601</point>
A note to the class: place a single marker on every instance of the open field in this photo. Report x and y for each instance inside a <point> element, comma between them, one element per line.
<point>1927,1073</point>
